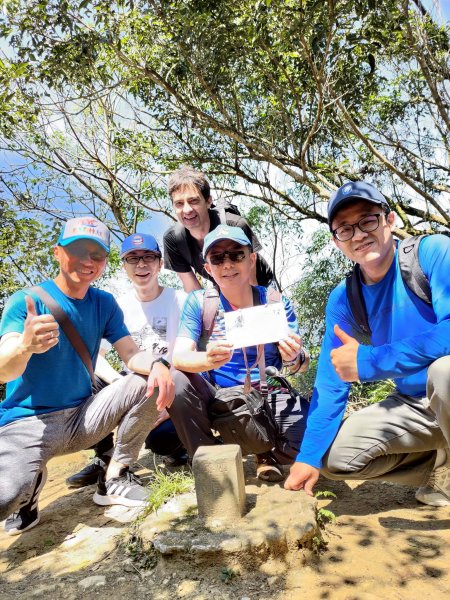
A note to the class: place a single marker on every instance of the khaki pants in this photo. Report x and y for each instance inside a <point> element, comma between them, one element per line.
<point>395,440</point>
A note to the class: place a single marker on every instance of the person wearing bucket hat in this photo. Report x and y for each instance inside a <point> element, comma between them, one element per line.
<point>208,364</point>
<point>151,313</point>
<point>404,438</point>
<point>192,203</point>
<point>50,401</point>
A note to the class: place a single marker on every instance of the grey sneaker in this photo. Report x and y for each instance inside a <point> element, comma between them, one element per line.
<point>126,490</point>
<point>437,490</point>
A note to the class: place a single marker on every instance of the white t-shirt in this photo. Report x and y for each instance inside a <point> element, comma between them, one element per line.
<point>153,325</point>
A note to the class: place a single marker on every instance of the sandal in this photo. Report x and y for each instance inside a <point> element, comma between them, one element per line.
<point>267,468</point>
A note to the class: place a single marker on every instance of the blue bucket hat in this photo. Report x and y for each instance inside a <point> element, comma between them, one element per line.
<point>139,241</point>
<point>84,228</point>
<point>352,191</point>
<point>224,232</point>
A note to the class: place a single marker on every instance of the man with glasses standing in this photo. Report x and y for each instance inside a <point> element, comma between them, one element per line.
<point>50,408</point>
<point>203,369</point>
<point>151,314</point>
<point>405,438</point>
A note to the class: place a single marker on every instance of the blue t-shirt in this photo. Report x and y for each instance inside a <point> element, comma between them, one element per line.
<point>407,336</point>
<point>234,372</point>
<point>58,379</point>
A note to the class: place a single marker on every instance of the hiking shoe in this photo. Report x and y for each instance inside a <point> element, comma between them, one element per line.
<point>126,490</point>
<point>268,469</point>
<point>28,515</point>
<point>437,490</point>
<point>90,473</point>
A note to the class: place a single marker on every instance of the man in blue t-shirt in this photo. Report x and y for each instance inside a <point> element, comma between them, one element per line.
<point>230,261</point>
<point>50,408</point>
<point>405,438</point>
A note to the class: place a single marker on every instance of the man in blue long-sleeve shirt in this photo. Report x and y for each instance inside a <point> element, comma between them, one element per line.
<point>405,438</point>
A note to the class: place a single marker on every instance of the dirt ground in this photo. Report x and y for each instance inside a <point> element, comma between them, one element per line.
<point>382,545</point>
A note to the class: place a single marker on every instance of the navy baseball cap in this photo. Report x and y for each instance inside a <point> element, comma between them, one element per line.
<point>224,232</point>
<point>84,228</point>
<point>139,241</point>
<point>354,190</point>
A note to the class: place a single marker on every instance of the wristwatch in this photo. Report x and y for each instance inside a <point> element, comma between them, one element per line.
<point>300,358</point>
<point>163,361</point>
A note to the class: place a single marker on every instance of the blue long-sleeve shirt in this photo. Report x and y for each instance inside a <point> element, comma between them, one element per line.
<point>407,336</point>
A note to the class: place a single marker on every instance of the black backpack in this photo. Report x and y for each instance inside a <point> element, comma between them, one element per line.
<point>412,274</point>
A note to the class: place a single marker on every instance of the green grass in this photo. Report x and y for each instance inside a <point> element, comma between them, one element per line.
<point>165,486</point>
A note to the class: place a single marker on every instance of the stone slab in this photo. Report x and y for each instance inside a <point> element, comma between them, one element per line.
<point>279,520</point>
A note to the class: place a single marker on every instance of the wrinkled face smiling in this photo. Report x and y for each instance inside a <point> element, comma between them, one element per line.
<point>373,250</point>
<point>230,273</point>
<point>191,208</point>
<point>81,262</point>
<point>143,274</point>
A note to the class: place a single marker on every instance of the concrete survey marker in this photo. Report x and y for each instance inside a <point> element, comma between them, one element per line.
<point>219,483</point>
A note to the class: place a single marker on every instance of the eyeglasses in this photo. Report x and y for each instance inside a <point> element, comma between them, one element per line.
<point>366,225</point>
<point>83,254</point>
<point>235,256</point>
<point>147,259</point>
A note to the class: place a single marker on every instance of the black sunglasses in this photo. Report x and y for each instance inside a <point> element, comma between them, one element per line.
<point>234,255</point>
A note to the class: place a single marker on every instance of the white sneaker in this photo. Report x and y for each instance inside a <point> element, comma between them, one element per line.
<point>437,490</point>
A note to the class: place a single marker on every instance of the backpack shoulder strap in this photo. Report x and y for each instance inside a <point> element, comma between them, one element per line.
<point>222,214</point>
<point>68,327</point>
<point>209,312</point>
<point>412,273</point>
<point>182,243</point>
<point>273,295</point>
<point>356,300</point>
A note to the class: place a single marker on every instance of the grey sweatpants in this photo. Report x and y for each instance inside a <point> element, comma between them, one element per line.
<point>27,444</point>
<point>397,439</point>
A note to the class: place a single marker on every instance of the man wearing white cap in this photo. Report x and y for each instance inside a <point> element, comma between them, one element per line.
<point>50,408</point>
<point>151,313</point>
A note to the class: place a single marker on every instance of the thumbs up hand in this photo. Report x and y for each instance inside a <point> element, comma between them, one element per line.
<point>40,332</point>
<point>344,358</point>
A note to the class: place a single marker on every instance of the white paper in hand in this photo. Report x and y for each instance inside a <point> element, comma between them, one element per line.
<point>256,325</point>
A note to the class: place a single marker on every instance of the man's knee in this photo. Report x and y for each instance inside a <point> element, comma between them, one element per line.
<point>192,396</point>
<point>135,385</point>
<point>336,463</point>
<point>181,381</point>
<point>189,388</point>
<point>439,375</point>
<point>351,450</point>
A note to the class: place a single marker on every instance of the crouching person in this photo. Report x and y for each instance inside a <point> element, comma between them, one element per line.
<point>49,409</point>
<point>206,362</point>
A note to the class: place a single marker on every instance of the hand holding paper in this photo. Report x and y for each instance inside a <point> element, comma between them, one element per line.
<point>218,353</point>
<point>290,347</point>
